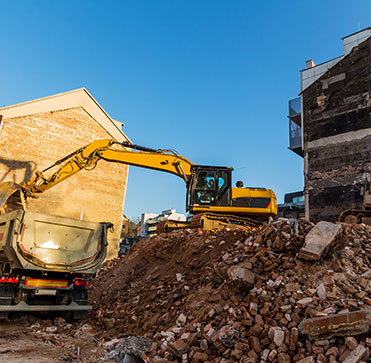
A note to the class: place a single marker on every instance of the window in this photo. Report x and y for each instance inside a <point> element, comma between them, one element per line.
<point>222,182</point>
<point>298,200</point>
<point>205,187</point>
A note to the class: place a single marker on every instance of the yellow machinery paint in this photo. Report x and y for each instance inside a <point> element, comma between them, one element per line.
<point>41,283</point>
<point>208,187</point>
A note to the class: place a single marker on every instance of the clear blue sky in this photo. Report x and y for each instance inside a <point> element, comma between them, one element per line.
<point>208,78</point>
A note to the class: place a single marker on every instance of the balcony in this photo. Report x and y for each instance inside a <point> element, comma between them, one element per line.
<point>295,135</point>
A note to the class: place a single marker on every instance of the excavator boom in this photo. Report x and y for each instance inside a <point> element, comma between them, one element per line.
<point>209,188</point>
<point>88,156</point>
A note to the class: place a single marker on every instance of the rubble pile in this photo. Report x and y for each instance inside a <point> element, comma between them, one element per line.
<point>241,296</point>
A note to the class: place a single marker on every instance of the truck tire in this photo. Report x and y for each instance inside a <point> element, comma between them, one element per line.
<point>80,297</point>
<point>80,315</point>
<point>6,297</point>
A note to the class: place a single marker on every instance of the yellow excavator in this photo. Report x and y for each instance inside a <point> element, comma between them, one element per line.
<point>210,197</point>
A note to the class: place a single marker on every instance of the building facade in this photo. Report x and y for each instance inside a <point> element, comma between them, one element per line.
<point>35,134</point>
<point>330,127</point>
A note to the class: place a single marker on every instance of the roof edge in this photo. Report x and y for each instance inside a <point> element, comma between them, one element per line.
<point>359,31</point>
<point>80,97</point>
<point>46,98</point>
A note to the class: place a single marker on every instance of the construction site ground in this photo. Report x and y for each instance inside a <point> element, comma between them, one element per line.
<point>217,296</point>
<point>39,339</point>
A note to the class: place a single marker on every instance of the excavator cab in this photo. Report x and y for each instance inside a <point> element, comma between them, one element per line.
<point>209,186</point>
<point>210,191</point>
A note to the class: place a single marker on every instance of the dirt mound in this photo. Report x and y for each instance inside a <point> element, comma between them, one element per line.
<point>223,296</point>
<point>181,260</point>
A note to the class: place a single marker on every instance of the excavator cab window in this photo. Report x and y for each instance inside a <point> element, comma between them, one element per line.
<point>209,186</point>
<point>205,187</point>
<point>222,182</point>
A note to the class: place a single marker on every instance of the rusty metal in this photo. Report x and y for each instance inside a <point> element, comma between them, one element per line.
<point>356,216</point>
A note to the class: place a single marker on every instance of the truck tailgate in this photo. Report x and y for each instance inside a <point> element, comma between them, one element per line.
<point>52,242</point>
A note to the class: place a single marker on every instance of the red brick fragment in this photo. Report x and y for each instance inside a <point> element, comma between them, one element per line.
<point>341,324</point>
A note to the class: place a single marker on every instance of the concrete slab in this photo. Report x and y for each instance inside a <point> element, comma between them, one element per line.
<point>319,240</point>
<point>361,353</point>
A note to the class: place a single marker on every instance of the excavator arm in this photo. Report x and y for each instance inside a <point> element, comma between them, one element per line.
<point>127,153</point>
<point>210,195</point>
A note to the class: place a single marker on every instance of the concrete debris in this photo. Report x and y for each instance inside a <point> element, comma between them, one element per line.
<point>277,335</point>
<point>60,322</point>
<point>242,276</point>
<point>351,343</point>
<point>321,292</point>
<point>306,360</point>
<point>360,353</point>
<point>181,319</point>
<point>131,348</point>
<point>319,240</point>
<point>128,358</point>
<point>244,296</point>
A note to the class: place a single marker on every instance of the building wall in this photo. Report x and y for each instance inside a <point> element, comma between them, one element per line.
<point>337,136</point>
<point>34,142</point>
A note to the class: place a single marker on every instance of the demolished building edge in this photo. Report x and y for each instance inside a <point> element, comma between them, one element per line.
<point>317,137</point>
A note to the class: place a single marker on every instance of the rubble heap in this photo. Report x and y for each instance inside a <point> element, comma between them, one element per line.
<point>241,296</point>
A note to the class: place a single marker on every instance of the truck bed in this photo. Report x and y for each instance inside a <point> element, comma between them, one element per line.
<point>36,241</point>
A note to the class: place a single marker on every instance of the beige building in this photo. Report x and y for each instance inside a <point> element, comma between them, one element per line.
<point>35,134</point>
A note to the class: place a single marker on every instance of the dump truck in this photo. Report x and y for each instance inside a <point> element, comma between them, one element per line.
<point>47,261</point>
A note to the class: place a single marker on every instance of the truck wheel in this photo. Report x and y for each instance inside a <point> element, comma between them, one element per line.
<point>67,315</point>
<point>80,296</point>
<point>6,297</point>
<point>78,315</point>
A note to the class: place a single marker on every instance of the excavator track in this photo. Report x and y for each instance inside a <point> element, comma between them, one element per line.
<point>169,225</point>
<point>356,216</point>
<point>209,221</point>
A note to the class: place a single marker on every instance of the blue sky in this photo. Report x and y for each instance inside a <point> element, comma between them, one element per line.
<point>208,78</point>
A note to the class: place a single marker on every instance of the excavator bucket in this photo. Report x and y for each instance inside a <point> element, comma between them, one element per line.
<point>11,197</point>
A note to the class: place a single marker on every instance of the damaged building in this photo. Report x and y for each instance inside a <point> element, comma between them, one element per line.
<point>35,134</point>
<point>330,127</point>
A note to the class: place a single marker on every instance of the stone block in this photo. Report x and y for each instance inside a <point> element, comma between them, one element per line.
<point>241,275</point>
<point>319,240</point>
<point>358,354</point>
